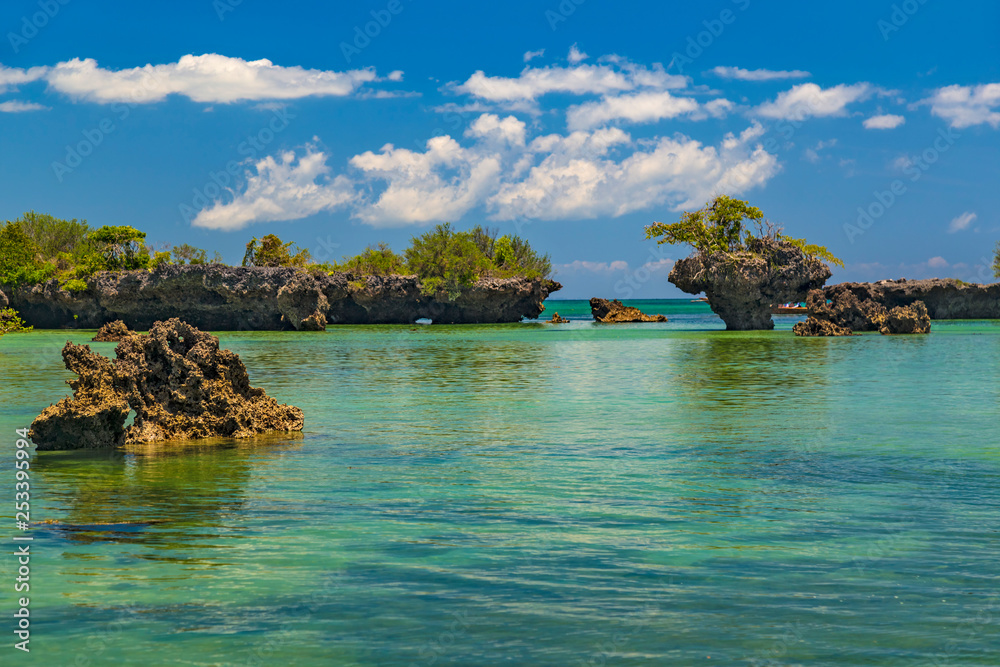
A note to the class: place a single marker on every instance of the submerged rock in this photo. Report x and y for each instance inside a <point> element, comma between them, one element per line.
<point>177,380</point>
<point>912,319</point>
<point>615,311</point>
<point>742,286</point>
<point>113,332</point>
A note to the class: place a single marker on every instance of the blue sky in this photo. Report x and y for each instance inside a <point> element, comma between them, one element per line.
<point>870,127</point>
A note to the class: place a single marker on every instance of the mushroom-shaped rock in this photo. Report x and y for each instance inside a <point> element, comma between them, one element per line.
<point>742,285</point>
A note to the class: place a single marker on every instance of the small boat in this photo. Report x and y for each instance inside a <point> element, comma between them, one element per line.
<point>789,309</point>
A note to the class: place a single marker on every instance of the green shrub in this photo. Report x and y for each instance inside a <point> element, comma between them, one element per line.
<point>75,285</point>
<point>121,247</point>
<point>20,261</point>
<point>271,251</point>
<point>10,322</point>
<point>377,260</point>
<point>446,261</point>
<point>159,259</point>
<point>188,254</point>
<point>996,261</point>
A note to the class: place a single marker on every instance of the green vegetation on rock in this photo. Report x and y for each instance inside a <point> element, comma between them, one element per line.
<point>729,225</point>
<point>996,261</point>
<point>10,322</point>
<point>273,252</point>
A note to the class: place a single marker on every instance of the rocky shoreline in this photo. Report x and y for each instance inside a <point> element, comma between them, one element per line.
<point>226,298</point>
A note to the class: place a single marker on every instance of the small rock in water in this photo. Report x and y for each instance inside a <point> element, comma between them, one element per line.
<point>113,332</point>
<point>912,319</point>
<point>615,311</point>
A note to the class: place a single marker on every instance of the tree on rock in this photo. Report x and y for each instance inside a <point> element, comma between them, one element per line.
<point>742,263</point>
<point>121,247</point>
<point>272,251</point>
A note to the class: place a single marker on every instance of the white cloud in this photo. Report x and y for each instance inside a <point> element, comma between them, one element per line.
<point>962,222</point>
<point>576,178</point>
<point>937,262</point>
<point>965,106</point>
<point>576,55</point>
<point>282,189</point>
<point>758,74</point>
<point>809,100</point>
<point>883,122</point>
<point>206,78</point>
<point>531,55</point>
<point>812,154</point>
<point>592,267</point>
<point>534,82</point>
<point>17,106</point>
<point>550,177</point>
<point>644,107</point>
<point>11,77</point>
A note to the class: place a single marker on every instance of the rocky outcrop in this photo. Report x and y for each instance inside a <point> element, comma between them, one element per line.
<point>226,298</point>
<point>611,312</point>
<point>176,379</point>
<point>556,319</point>
<point>113,332</point>
<point>912,319</point>
<point>741,287</point>
<point>817,327</point>
<point>945,299</point>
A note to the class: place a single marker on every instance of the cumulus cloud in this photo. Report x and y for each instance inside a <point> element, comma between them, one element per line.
<point>286,188</point>
<point>534,82</point>
<point>937,262</point>
<point>11,77</point>
<point>758,74</point>
<point>208,78</point>
<point>17,106</point>
<point>962,222</point>
<point>883,122</point>
<point>576,177</point>
<point>965,106</point>
<point>644,107</point>
<point>576,55</point>
<point>808,100</point>
<point>582,174</point>
<point>531,55</point>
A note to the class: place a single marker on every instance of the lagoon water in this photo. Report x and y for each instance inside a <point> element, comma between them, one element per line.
<point>530,494</point>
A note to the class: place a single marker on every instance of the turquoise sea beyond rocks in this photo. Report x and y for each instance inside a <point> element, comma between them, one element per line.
<point>533,494</point>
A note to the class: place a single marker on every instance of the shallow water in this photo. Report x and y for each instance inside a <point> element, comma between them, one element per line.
<point>538,494</point>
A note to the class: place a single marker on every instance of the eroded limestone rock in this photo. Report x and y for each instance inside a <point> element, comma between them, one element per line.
<point>177,380</point>
<point>614,311</point>
<point>912,319</point>
<point>741,287</point>
<point>113,332</point>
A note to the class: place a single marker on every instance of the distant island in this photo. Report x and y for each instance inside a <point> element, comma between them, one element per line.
<point>64,273</point>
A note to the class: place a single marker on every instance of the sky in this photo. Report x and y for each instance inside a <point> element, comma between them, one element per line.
<point>870,127</point>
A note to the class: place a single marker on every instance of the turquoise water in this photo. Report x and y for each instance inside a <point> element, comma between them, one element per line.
<point>533,494</point>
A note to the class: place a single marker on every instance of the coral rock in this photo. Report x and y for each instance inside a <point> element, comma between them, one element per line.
<point>912,319</point>
<point>556,319</point>
<point>113,332</point>
<point>615,311</point>
<point>741,286</point>
<point>177,380</point>
<point>816,327</point>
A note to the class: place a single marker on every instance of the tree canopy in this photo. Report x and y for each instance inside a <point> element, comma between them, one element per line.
<point>729,225</point>
<point>272,251</point>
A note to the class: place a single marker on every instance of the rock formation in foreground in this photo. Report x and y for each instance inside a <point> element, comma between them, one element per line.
<point>113,332</point>
<point>614,311</point>
<point>177,380</point>
<point>226,298</point>
<point>742,286</point>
